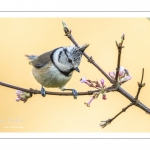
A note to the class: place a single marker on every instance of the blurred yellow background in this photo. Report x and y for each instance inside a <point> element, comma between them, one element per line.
<point>20,36</point>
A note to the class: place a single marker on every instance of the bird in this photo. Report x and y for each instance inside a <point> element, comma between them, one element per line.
<point>53,69</point>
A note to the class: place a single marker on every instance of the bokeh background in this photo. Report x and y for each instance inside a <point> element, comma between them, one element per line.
<point>20,36</point>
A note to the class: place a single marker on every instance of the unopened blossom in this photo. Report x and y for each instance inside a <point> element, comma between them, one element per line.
<point>102,82</point>
<point>112,74</point>
<point>123,75</point>
<point>126,78</point>
<point>83,80</point>
<point>121,71</point>
<point>23,96</point>
<point>104,97</point>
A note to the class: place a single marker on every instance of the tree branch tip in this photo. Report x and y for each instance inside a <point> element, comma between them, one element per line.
<point>143,71</point>
<point>123,37</point>
<point>64,24</point>
<point>116,43</point>
<point>105,123</point>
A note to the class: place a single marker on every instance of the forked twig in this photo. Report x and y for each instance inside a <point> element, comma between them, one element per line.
<point>105,123</point>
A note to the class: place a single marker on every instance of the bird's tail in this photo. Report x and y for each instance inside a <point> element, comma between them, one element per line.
<point>31,57</point>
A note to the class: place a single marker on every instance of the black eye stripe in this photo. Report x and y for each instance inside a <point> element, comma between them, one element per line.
<point>59,55</point>
<point>65,52</point>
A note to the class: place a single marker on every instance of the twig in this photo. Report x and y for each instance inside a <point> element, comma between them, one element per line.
<point>105,123</point>
<point>140,85</point>
<point>90,59</point>
<point>119,46</point>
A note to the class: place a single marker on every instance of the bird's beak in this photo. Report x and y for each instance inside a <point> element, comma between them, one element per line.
<point>77,69</point>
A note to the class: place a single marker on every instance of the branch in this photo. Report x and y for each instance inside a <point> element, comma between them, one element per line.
<point>105,123</point>
<point>32,91</point>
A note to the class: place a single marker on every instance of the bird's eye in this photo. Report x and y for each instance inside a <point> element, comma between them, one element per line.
<point>69,60</point>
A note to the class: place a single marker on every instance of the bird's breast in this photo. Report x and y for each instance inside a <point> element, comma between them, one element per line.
<point>50,76</point>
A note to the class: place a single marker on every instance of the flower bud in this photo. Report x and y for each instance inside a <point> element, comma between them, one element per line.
<point>104,97</point>
<point>102,82</point>
<point>23,96</point>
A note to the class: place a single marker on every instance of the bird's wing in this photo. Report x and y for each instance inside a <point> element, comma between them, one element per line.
<point>41,60</point>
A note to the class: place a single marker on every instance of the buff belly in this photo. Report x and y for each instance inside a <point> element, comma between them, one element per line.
<point>50,77</point>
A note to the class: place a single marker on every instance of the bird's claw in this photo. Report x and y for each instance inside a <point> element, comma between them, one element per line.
<point>75,93</point>
<point>43,93</point>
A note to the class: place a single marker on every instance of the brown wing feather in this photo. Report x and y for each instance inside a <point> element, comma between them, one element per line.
<point>42,60</point>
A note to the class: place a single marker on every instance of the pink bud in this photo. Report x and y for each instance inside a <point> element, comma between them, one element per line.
<point>102,82</point>
<point>18,92</point>
<point>23,96</point>
<point>121,71</point>
<point>126,78</point>
<point>104,97</point>
<point>112,75</point>
<point>83,80</point>
<point>17,99</point>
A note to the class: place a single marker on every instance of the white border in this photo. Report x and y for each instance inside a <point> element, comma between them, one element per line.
<point>67,5</point>
<point>74,14</point>
<point>97,135</point>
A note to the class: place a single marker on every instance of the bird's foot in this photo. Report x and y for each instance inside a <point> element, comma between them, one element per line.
<point>75,93</point>
<point>43,93</point>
